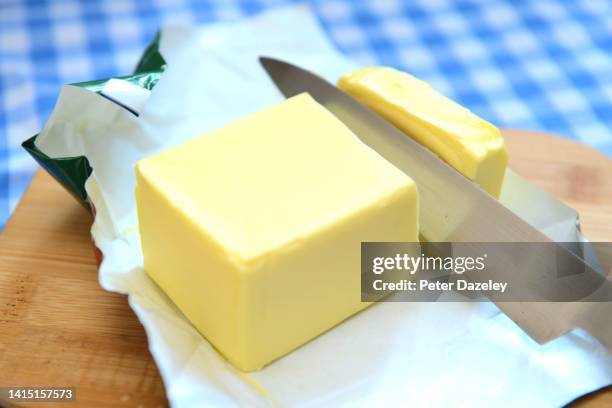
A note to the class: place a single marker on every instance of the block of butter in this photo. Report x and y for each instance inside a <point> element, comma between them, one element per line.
<point>254,230</point>
<point>473,146</point>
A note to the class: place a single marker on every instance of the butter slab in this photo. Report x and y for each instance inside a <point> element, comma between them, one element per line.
<point>254,230</point>
<point>473,146</point>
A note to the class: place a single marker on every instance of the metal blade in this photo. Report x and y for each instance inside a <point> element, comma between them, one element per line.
<point>454,209</point>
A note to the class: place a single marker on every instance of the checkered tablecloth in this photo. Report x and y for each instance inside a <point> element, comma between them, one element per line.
<point>543,64</point>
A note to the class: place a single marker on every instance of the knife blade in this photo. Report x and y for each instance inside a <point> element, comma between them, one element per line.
<point>454,209</point>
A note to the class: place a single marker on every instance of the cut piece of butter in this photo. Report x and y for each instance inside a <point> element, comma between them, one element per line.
<point>254,230</point>
<point>473,146</point>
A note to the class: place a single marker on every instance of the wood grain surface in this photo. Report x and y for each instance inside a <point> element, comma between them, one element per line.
<point>59,328</point>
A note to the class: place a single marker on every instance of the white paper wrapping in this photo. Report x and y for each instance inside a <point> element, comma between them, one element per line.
<point>424,354</point>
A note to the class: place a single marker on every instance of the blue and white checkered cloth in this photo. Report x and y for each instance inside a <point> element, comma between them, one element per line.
<point>543,64</point>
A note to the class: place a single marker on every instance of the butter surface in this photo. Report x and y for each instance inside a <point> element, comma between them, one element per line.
<point>473,146</point>
<point>254,230</point>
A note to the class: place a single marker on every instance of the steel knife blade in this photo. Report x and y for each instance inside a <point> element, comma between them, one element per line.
<point>454,209</point>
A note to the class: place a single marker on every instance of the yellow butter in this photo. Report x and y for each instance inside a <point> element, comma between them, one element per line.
<point>473,146</point>
<point>254,230</point>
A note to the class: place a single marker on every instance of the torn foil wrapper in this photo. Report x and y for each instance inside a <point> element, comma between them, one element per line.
<point>193,80</point>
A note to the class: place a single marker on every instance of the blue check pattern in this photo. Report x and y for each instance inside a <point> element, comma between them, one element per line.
<point>543,64</point>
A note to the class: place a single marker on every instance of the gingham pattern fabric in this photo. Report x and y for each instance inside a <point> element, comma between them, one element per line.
<point>543,64</point>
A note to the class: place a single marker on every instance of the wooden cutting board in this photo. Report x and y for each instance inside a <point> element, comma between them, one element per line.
<point>59,328</point>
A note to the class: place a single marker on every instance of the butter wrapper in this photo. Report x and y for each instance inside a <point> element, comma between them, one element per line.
<point>72,172</point>
<point>433,354</point>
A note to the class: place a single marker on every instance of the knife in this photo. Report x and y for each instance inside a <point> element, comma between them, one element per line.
<point>454,209</point>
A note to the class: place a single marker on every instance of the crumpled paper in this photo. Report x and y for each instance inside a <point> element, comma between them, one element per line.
<point>424,354</point>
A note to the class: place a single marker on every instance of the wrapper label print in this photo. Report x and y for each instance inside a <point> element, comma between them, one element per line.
<point>497,271</point>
